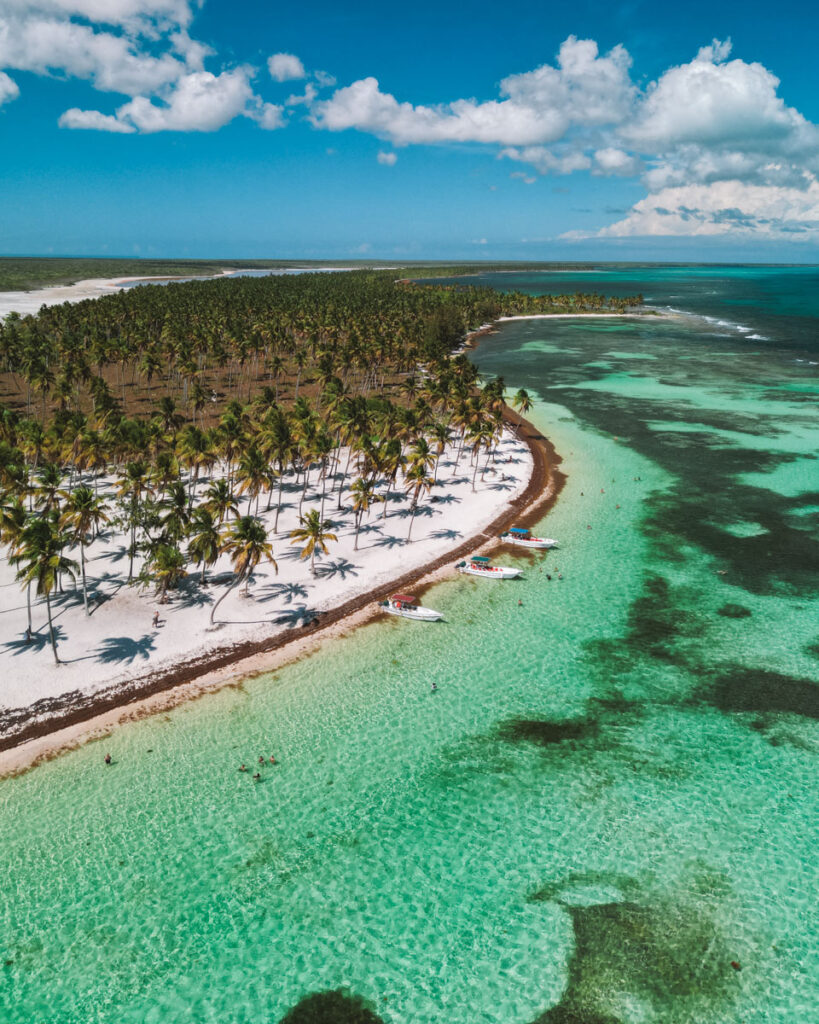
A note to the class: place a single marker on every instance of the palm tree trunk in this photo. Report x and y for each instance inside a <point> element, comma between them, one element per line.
<point>279,505</point>
<point>51,630</point>
<point>412,520</point>
<point>28,604</point>
<point>84,584</point>
<point>235,583</point>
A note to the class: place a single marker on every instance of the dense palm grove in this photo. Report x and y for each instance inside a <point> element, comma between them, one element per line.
<point>169,414</point>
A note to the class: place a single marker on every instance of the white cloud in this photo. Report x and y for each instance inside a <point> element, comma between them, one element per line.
<point>284,67</point>
<point>527,179</point>
<point>707,102</point>
<point>199,102</point>
<point>113,63</point>
<point>324,80</point>
<point>76,118</point>
<point>613,161</point>
<point>546,161</point>
<point>269,116</point>
<point>9,90</point>
<point>724,208</point>
<point>307,97</point>
<point>141,13</point>
<point>149,57</point>
<point>387,159</point>
<point>584,88</point>
<point>539,107</point>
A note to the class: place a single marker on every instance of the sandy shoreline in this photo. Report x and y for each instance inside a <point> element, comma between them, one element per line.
<point>84,716</point>
<point>29,302</point>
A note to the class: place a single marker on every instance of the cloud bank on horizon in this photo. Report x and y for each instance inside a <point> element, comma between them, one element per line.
<point>717,149</point>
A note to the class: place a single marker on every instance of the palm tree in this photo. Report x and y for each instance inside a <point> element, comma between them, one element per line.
<point>13,521</point>
<point>417,480</point>
<point>220,501</point>
<point>83,514</point>
<point>176,515</point>
<point>522,402</point>
<point>166,564</point>
<point>313,533</point>
<point>133,487</point>
<point>48,488</point>
<point>253,475</point>
<point>43,562</point>
<point>204,539</point>
<point>246,543</point>
<point>364,497</point>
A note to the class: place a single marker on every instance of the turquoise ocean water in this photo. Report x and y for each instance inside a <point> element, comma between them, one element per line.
<point>605,814</point>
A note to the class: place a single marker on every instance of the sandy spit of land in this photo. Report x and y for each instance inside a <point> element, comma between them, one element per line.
<point>119,667</point>
<point>26,303</point>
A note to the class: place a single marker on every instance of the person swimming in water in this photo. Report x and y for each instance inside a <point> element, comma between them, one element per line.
<point>242,768</point>
<point>107,758</point>
<point>434,687</point>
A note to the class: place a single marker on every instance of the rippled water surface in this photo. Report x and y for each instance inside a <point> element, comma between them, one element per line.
<point>605,814</point>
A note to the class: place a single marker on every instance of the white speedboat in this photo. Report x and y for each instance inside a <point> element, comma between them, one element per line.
<point>407,607</point>
<point>524,539</point>
<point>480,565</point>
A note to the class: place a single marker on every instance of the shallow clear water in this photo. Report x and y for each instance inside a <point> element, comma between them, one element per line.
<point>610,797</point>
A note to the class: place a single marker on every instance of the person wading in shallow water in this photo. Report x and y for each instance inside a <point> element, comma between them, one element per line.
<point>107,758</point>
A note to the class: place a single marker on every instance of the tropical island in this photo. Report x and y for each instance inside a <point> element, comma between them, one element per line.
<point>190,471</point>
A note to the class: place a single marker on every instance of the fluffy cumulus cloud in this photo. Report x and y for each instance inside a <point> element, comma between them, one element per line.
<point>714,125</point>
<point>713,142</point>
<point>140,49</point>
<point>284,67</point>
<point>535,107</point>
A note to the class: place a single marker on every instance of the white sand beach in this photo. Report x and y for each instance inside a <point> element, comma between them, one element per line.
<point>117,642</point>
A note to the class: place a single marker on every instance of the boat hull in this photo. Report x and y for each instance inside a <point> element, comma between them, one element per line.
<point>534,542</point>
<point>501,572</point>
<point>419,614</point>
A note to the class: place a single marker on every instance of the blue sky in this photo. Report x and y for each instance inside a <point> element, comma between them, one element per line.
<point>524,131</point>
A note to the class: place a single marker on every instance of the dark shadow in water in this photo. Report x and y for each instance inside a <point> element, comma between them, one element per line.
<point>657,622</point>
<point>545,733</point>
<point>738,689</point>
<point>668,954</point>
<point>734,611</point>
<point>335,1007</point>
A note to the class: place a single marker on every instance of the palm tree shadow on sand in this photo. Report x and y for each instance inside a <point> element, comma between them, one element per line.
<point>388,542</point>
<point>38,642</point>
<point>298,615</point>
<point>446,534</point>
<point>125,649</point>
<point>340,568</point>
<point>286,591</point>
